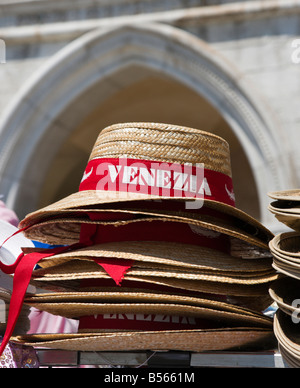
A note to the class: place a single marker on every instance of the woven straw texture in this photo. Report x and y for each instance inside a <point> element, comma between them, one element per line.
<point>189,340</point>
<point>285,291</point>
<point>164,253</point>
<point>80,269</point>
<point>88,303</point>
<point>163,142</point>
<point>67,230</point>
<point>288,337</point>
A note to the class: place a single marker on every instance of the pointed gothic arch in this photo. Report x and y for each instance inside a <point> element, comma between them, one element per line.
<point>47,108</point>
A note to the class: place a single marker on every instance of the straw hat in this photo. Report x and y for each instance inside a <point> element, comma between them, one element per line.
<point>145,292</point>
<point>67,231</point>
<point>286,256</point>
<point>164,255</point>
<point>232,290</point>
<point>285,292</point>
<point>286,245</point>
<point>189,324</point>
<point>288,337</point>
<point>291,195</point>
<point>89,269</point>
<point>246,285</point>
<point>185,340</point>
<point>286,207</point>
<point>144,183</point>
<point>143,161</point>
<point>78,304</point>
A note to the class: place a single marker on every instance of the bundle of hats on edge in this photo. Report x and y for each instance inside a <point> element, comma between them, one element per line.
<point>153,254</point>
<point>285,291</point>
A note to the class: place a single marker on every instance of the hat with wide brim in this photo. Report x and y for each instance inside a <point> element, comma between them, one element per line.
<point>291,195</point>
<point>286,269</point>
<point>145,292</point>
<point>78,304</point>
<point>257,291</point>
<point>248,289</point>
<point>285,292</point>
<point>288,337</point>
<point>286,245</point>
<point>288,217</point>
<point>164,254</point>
<point>213,271</point>
<point>48,229</point>
<point>160,150</point>
<point>89,269</point>
<point>67,231</point>
<point>181,340</point>
<point>285,250</point>
<point>286,207</point>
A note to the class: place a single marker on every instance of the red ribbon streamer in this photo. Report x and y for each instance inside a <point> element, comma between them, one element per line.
<point>22,275</point>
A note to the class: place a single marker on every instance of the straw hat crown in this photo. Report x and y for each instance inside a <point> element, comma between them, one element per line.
<point>165,143</point>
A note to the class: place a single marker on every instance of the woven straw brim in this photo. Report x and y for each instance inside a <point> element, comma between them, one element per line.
<point>287,245</point>
<point>293,261</point>
<point>285,291</point>
<point>284,261</point>
<point>78,309</point>
<point>285,195</point>
<point>183,340</point>
<point>284,207</point>
<point>289,219</point>
<point>88,269</point>
<point>78,304</point>
<point>141,295</point>
<point>183,256</point>
<point>287,259</point>
<point>257,291</point>
<point>241,225</point>
<point>286,269</point>
<point>67,231</point>
<point>288,358</point>
<point>288,337</point>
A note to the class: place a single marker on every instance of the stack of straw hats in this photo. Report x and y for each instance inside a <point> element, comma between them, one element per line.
<point>7,256</point>
<point>285,291</point>
<point>158,256</point>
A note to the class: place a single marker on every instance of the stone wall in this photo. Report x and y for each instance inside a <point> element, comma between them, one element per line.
<point>249,47</point>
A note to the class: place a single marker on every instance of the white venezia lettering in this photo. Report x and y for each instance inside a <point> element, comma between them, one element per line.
<point>160,178</point>
<point>153,318</point>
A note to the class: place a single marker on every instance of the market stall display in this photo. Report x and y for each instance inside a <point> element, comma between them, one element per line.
<point>154,254</point>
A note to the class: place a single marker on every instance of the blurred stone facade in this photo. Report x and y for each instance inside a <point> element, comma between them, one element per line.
<point>71,67</point>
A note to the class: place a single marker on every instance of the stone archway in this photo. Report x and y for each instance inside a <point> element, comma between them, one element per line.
<point>50,105</point>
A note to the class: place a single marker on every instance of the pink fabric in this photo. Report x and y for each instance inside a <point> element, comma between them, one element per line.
<point>8,215</point>
<point>43,322</point>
